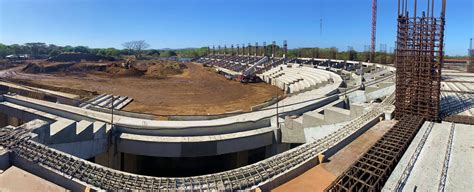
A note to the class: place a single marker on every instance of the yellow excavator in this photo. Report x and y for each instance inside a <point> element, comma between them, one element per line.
<point>128,62</point>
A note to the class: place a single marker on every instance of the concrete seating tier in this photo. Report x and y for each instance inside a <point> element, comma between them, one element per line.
<point>236,63</point>
<point>455,102</point>
<point>107,101</point>
<point>296,79</point>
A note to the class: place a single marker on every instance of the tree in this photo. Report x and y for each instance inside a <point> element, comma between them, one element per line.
<point>333,52</point>
<point>112,52</point>
<point>37,48</point>
<point>18,49</point>
<point>136,47</point>
<point>5,50</point>
<point>168,53</point>
<point>67,48</point>
<point>81,49</point>
<point>153,52</point>
<point>54,52</point>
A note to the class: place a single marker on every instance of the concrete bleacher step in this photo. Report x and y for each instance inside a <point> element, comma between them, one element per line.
<point>118,101</point>
<point>124,103</point>
<point>386,84</point>
<point>299,120</point>
<point>107,101</point>
<point>84,131</point>
<point>62,131</point>
<point>99,130</point>
<point>337,115</point>
<point>92,100</point>
<point>371,88</point>
<point>462,86</point>
<point>312,118</point>
<point>103,98</point>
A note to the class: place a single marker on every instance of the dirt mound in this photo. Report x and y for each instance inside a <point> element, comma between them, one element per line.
<point>162,70</point>
<point>148,69</point>
<point>115,70</point>
<point>88,67</point>
<point>39,68</point>
<point>47,67</point>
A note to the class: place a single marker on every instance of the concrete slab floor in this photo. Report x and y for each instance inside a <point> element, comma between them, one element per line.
<point>15,179</point>
<point>321,176</point>
<point>428,167</point>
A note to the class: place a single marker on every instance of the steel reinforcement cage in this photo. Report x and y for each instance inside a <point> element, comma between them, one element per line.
<point>419,59</point>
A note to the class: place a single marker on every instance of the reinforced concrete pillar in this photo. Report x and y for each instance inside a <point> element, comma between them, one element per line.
<point>276,149</point>
<point>130,163</point>
<point>13,121</point>
<point>109,159</point>
<point>240,159</point>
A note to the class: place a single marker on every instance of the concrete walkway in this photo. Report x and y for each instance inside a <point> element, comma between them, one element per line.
<point>321,176</point>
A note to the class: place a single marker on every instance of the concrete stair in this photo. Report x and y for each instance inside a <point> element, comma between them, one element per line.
<point>333,113</point>
<point>58,129</point>
<point>84,130</point>
<point>62,131</point>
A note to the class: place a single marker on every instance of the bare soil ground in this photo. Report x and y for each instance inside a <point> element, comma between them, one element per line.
<point>321,176</point>
<point>187,90</point>
<point>16,179</point>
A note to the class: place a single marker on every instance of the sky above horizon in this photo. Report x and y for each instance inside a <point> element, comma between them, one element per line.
<point>199,23</point>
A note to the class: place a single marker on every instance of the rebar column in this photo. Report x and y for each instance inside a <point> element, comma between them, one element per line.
<point>419,59</point>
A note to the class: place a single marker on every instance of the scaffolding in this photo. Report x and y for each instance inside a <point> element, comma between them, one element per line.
<point>419,59</point>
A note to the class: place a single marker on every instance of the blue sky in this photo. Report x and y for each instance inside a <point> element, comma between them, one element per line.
<point>196,23</point>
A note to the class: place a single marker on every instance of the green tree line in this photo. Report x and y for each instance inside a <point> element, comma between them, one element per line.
<point>36,49</point>
<point>50,50</point>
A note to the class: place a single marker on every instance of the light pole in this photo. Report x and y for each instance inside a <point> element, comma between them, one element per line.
<point>277,115</point>
<point>470,53</point>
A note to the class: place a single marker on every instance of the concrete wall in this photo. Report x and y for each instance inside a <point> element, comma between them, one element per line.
<point>310,163</point>
<point>328,153</point>
<point>124,113</point>
<point>83,149</point>
<point>4,159</point>
<point>336,115</point>
<point>201,117</point>
<point>186,148</point>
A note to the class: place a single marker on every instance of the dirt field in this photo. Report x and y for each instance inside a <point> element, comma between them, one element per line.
<point>195,91</point>
<point>321,176</point>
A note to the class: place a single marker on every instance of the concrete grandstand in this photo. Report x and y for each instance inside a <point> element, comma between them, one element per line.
<point>316,113</point>
<point>330,125</point>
